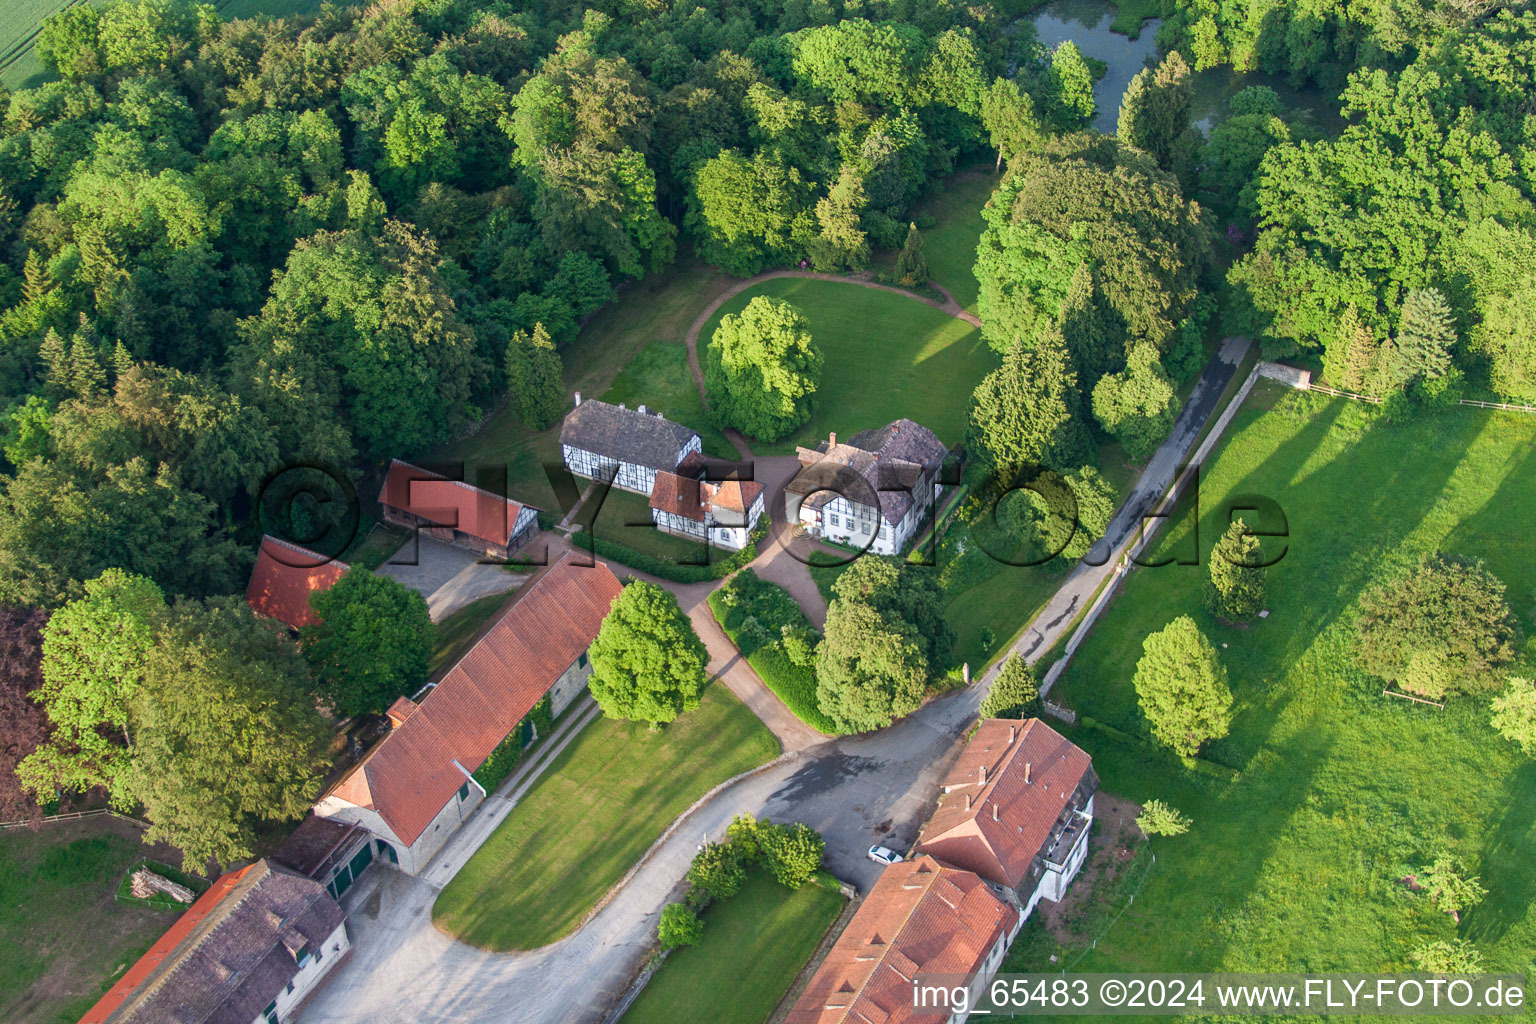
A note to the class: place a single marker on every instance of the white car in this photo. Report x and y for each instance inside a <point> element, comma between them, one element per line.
<point>884,855</point>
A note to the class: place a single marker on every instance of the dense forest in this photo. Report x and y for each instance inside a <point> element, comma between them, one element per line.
<point>227,247</point>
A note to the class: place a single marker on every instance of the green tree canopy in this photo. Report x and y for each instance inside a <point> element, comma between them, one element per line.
<point>1022,413</point>
<point>762,369</point>
<point>1235,589</point>
<point>1514,713</point>
<point>535,384</point>
<point>1138,405</point>
<point>371,642</point>
<point>1015,693</point>
<point>647,661</point>
<point>1442,627</point>
<point>911,264</point>
<point>225,731</point>
<point>1182,687</point>
<point>363,325</point>
<point>1158,819</point>
<point>93,657</point>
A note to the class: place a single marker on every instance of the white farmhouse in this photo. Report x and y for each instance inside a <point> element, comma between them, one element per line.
<point>600,441</point>
<point>721,514</point>
<point>873,492</point>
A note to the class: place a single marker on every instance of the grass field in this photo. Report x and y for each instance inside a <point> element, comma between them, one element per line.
<point>887,356</point>
<point>63,937</point>
<point>950,244</point>
<point>1294,865</point>
<point>659,379</point>
<point>594,811</point>
<point>625,518</point>
<point>754,944</point>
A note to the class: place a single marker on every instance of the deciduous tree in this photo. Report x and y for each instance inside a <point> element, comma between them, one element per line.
<point>647,661</point>
<point>1442,627</point>
<point>226,734</point>
<point>1182,688</point>
<point>1514,713</point>
<point>371,642</point>
<point>762,369</point>
<point>1158,819</point>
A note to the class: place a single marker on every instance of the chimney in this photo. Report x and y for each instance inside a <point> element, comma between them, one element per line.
<point>1013,734</point>
<point>994,810</point>
<point>578,398</point>
<point>967,801</point>
<point>623,406</point>
<point>983,775</point>
<point>1026,773</point>
<point>642,408</point>
<point>832,439</point>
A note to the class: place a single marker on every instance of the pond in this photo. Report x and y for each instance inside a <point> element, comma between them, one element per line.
<point>1086,23</point>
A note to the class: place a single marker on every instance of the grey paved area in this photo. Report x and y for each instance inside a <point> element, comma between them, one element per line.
<point>448,577</point>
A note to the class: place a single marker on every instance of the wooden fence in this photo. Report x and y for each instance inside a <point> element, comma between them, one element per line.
<point>1325,389</point>
<point>49,819</point>
<point>1507,407</point>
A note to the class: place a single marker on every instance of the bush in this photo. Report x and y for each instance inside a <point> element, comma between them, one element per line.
<point>679,926</point>
<point>748,599</point>
<point>509,752</point>
<point>1158,819</point>
<point>717,872</point>
<point>1015,693</point>
<point>791,853</point>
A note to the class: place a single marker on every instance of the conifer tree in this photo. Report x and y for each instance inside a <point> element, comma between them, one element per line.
<point>1022,412</point>
<point>1182,688</point>
<point>53,353</point>
<point>1070,83</point>
<point>1426,333</point>
<point>1235,590</point>
<point>535,386</point>
<point>911,263</point>
<point>1358,357</point>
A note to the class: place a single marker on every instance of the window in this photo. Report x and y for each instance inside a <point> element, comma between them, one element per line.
<point>464,791</point>
<point>303,956</point>
<point>581,660</point>
<point>269,1015</point>
<point>834,520</point>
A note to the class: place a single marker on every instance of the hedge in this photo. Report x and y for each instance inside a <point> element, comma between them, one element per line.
<point>671,570</point>
<point>750,598</point>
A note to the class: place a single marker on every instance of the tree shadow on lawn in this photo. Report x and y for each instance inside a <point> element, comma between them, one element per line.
<point>1506,859</point>
<point>1341,526</point>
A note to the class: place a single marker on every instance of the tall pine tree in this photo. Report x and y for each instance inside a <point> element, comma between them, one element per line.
<point>534,383</point>
<point>1426,333</point>
<point>1235,590</point>
<point>911,263</point>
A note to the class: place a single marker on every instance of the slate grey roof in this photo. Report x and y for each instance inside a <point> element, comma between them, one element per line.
<point>240,956</point>
<point>893,458</point>
<point>627,435</point>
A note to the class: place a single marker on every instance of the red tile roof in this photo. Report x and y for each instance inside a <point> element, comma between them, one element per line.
<point>920,917</point>
<point>410,775</point>
<point>1003,797</point>
<point>284,577</point>
<point>689,498</point>
<point>449,503</point>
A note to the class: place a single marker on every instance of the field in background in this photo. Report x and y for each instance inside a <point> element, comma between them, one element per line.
<point>1342,791</point>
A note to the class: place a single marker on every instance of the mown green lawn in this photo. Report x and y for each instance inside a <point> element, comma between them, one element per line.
<point>63,937</point>
<point>773,609</point>
<point>659,379</point>
<point>887,356</point>
<point>625,518</point>
<point>592,813</point>
<point>753,946</point>
<point>950,244</point>
<point>1294,865</point>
